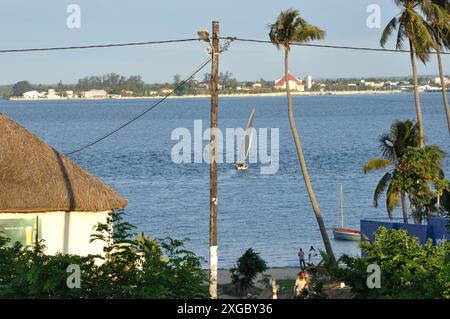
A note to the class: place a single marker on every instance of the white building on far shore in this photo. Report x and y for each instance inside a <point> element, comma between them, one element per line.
<point>52,95</point>
<point>32,95</point>
<point>438,81</point>
<point>94,94</point>
<point>309,82</point>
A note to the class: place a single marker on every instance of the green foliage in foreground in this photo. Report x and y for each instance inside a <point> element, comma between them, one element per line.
<point>132,268</point>
<point>249,265</point>
<point>408,270</point>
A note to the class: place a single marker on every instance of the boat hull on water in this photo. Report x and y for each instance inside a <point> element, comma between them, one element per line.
<point>346,234</point>
<point>241,166</point>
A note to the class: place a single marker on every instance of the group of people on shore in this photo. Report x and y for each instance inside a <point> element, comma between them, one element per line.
<point>312,254</point>
<point>302,281</point>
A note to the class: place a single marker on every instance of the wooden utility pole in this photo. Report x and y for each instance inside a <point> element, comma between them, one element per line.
<point>213,166</point>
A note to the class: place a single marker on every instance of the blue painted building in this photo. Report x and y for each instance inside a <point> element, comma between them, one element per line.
<point>435,229</point>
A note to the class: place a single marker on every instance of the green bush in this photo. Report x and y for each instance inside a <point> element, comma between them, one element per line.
<point>249,265</point>
<point>408,270</point>
<point>139,267</point>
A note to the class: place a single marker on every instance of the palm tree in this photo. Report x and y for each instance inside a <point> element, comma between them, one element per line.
<point>393,145</point>
<point>438,13</point>
<point>288,28</point>
<point>410,25</point>
<point>419,174</point>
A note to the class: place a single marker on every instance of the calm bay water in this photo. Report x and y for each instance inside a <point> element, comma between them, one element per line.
<point>270,213</point>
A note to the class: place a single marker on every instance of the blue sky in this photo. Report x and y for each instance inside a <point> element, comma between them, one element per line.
<point>30,23</point>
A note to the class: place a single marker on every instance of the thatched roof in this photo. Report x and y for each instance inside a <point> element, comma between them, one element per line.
<point>34,177</point>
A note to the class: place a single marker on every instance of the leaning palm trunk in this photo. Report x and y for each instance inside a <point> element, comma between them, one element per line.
<point>443,86</point>
<point>416,95</point>
<point>404,209</point>
<point>312,196</point>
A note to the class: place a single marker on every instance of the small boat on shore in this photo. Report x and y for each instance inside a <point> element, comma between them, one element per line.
<point>245,149</point>
<point>342,233</point>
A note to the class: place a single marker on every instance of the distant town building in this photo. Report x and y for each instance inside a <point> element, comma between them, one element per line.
<point>127,92</point>
<point>32,95</point>
<point>294,83</point>
<point>309,82</point>
<point>70,94</point>
<point>375,85</point>
<point>94,94</point>
<point>392,83</point>
<point>204,86</point>
<point>256,86</point>
<point>166,91</point>
<point>438,81</point>
<point>52,95</point>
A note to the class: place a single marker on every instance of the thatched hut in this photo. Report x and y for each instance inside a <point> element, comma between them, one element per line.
<point>44,195</point>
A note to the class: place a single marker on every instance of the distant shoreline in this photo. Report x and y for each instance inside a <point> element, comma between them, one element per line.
<point>238,95</point>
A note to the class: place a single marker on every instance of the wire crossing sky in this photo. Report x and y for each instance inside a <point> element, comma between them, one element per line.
<point>47,24</point>
<point>135,118</point>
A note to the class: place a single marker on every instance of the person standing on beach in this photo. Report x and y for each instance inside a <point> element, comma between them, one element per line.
<point>311,255</point>
<point>301,258</point>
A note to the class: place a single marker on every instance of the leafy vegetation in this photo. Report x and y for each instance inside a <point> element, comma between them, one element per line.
<point>419,175</point>
<point>416,173</point>
<point>393,145</point>
<point>112,83</point>
<point>249,265</point>
<point>21,87</point>
<point>139,267</point>
<point>408,270</point>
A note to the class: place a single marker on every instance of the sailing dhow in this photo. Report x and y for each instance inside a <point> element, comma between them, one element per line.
<point>247,143</point>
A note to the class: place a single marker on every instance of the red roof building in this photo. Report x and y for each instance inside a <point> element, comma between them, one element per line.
<point>294,83</point>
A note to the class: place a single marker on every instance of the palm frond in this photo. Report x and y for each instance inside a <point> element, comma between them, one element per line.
<point>388,30</point>
<point>382,184</point>
<point>376,163</point>
<point>401,34</point>
<point>308,33</point>
<point>386,145</point>
<point>437,13</point>
<point>392,199</point>
<point>290,27</point>
<point>420,35</point>
<point>436,153</point>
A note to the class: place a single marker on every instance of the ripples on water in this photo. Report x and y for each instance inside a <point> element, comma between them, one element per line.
<point>271,213</point>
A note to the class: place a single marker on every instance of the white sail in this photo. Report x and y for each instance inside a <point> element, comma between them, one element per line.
<point>247,143</point>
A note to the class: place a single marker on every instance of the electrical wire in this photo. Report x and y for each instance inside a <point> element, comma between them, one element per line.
<point>327,46</point>
<point>230,38</point>
<point>93,46</point>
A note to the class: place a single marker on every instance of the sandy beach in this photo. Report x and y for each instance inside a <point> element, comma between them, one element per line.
<point>224,275</point>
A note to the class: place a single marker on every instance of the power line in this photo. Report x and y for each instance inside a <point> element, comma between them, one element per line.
<point>93,46</point>
<point>126,44</point>
<point>327,46</point>
<point>142,113</point>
